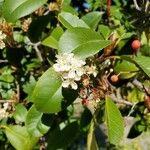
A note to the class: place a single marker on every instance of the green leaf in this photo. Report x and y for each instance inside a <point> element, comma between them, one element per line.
<point>29,87</point>
<point>104,31</point>
<point>13,10</point>
<point>20,113</point>
<point>92,19</point>
<point>90,48</point>
<point>19,137</point>
<point>70,21</point>
<point>34,124</point>
<point>58,139</point>
<point>126,69</point>
<point>69,9</point>
<point>52,40</point>
<point>91,140</point>
<point>47,95</point>
<point>114,122</point>
<point>144,63</point>
<point>83,42</point>
<point>135,95</point>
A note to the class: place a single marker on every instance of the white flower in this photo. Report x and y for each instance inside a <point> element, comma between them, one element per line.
<point>5,106</point>
<point>2,37</point>
<point>69,82</point>
<point>70,68</point>
<point>3,113</point>
<point>91,70</point>
<point>2,44</point>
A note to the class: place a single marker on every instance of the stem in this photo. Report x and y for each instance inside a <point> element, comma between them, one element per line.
<point>136,5</point>
<point>121,101</point>
<point>3,61</point>
<point>7,101</point>
<point>109,2</point>
<point>35,46</point>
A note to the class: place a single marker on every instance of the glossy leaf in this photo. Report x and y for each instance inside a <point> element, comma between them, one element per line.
<point>15,9</point>
<point>19,137</point>
<point>83,42</point>
<point>144,63</point>
<point>104,31</point>
<point>90,48</point>
<point>47,95</point>
<point>126,69</point>
<point>70,21</point>
<point>92,19</point>
<point>34,124</point>
<point>114,122</point>
<point>52,40</point>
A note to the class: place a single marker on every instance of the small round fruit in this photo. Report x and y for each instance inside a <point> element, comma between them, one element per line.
<point>147,101</point>
<point>114,78</point>
<point>136,44</point>
<point>85,102</point>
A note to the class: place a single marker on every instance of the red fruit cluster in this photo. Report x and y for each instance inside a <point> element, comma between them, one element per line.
<point>136,44</point>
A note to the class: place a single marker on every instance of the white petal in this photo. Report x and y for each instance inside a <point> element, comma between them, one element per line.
<point>65,75</point>
<point>74,85</point>
<point>80,71</point>
<point>95,74</point>
<point>57,67</point>
<point>2,44</point>
<point>66,83</point>
<point>71,74</point>
<point>5,105</point>
<point>77,78</point>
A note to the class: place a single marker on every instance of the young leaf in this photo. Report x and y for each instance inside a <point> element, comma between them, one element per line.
<point>70,21</point>
<point>114,122</point>
<point>47,95</point>
<point>15,9</point>
<point>52,40</point>
<point>20,113</point>
<point>83,42</point>
<point>144,63</point>
<point>92,19</point>
<point>19,137</point>
<point>34,124</point>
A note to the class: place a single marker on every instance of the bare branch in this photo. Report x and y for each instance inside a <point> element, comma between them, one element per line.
<point>121,101</point>
<point>136,5</point>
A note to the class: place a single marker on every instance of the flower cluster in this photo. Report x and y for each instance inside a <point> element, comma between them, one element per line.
<point>2,37</point>
<point>3,111</point>
<point>70,68</point>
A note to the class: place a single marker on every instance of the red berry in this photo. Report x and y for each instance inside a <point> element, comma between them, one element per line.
<point>135,44</point>
<point>114,78</point>
<point>147,101</point>
<point>85,102</point>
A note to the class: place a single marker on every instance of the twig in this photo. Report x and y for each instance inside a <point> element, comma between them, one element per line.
<point>136,5</point>
<point>7,101</point>
<point>3,61</point>
<point>132,109</point>
<point>121,101</point>
<point>35,46</point>
<point>140,86</point>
